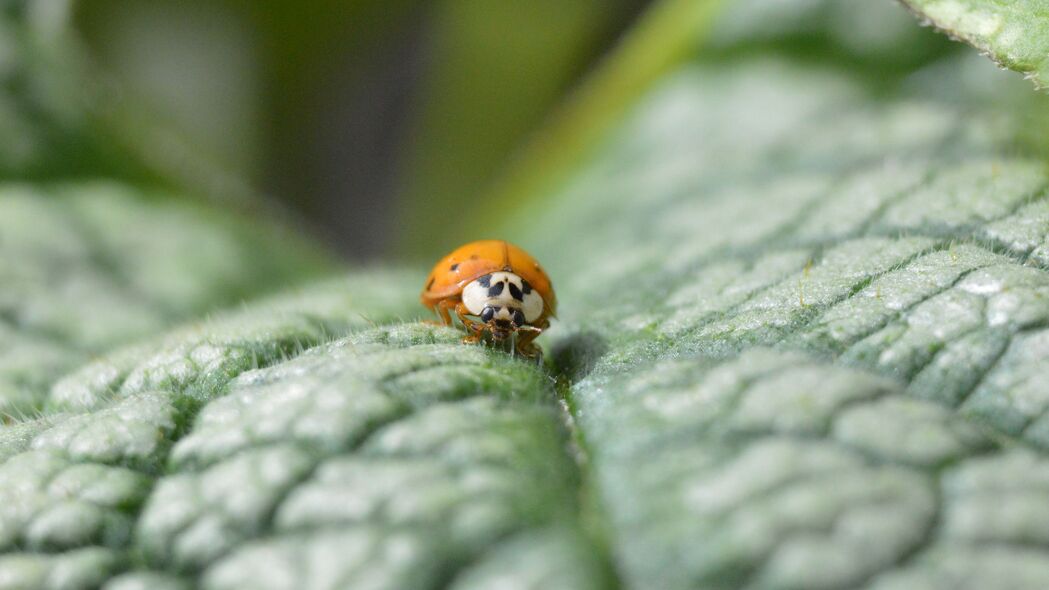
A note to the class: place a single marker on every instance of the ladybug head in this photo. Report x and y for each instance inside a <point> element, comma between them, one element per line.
<point>504,302</point>
<point>502,321</point>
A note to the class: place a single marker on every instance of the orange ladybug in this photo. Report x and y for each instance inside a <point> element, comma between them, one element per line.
<point>497,283</point>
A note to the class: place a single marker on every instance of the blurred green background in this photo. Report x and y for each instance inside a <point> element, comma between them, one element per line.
<point>403,128</point>
<point>374,122</point>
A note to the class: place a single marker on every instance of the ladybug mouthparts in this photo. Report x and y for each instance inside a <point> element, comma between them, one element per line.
<point>501,329</point>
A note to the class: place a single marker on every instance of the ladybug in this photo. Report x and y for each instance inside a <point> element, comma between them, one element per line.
<point>494,287</point>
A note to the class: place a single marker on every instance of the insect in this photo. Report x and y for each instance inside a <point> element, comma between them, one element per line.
<point>493,287</point>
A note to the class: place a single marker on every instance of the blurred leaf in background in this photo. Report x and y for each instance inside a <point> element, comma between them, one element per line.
<point>54,119</point>
<point>194,64</point>
<point>101,243</point>
<point>498,69</point>
<point>376,120</point>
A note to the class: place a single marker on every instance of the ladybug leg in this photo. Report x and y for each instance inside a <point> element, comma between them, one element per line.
<point>442,308</point>
<point>524,340</point>
<point>526,348</point>
<point>471,326</point>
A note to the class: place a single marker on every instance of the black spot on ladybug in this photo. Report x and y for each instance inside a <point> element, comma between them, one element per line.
<point>519,318</point>
<point>485,281</point>
<point>515,292</point>
<point>527,288</point>
<point>487,314</point>
<point>473,257</point>
<point>495,290</point>
<point>454,267</point>
<point>430,284</point>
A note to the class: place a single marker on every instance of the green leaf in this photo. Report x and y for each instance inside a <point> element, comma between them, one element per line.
<point>803,329</point>
<point>90,266</point>
<point>826,324</point>
<point>1014,34</point>
<point>390,454</point>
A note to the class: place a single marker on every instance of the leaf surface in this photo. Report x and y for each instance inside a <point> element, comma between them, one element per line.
<point>807,335</point>
<point>1014,34</point>
<point>804,325</point>
<point>87,267</point>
